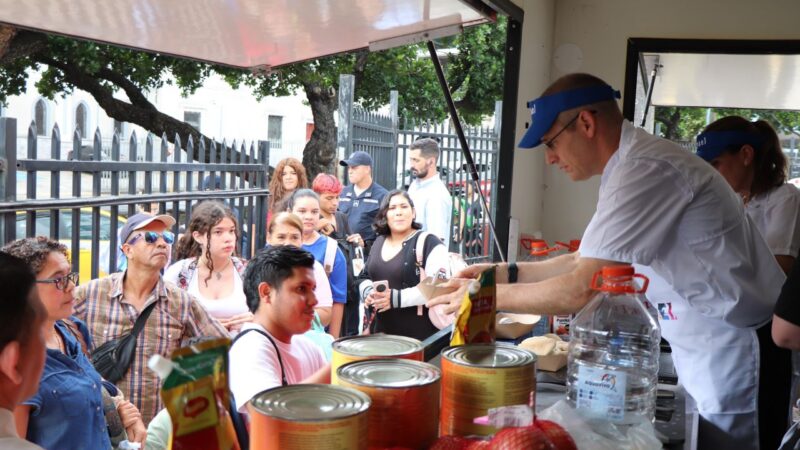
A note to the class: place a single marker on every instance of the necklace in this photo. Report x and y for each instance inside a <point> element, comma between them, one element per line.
<point>218,273</point>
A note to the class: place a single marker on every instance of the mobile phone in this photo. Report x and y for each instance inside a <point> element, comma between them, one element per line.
<point>380,286</point>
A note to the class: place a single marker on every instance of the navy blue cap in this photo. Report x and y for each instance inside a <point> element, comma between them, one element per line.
<point>545,109</point>
<point>358,158</point>
<point>712,143</point>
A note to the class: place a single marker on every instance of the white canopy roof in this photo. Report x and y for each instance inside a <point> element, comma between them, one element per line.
<point>244,33</point>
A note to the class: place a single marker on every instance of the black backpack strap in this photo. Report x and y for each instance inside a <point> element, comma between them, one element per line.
<point>278,352</point>
<point>140,321</point>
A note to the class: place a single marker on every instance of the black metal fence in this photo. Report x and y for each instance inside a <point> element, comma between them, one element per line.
<point>158,177</point>
<point>376,134</point>
<point>471,234</point>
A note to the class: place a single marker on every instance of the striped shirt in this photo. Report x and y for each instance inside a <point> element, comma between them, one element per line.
<point>175,318</point>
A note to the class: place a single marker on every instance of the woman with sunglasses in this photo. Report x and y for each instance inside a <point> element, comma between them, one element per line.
<point>67,411</point>
<point>207,267</point>
<point>400,308</point>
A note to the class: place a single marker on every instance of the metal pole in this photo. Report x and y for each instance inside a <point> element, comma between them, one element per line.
<point>464,145</point>
<point>653,74</point>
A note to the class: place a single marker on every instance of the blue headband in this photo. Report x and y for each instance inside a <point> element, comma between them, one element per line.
<point>712,143</point>
<point>545,109</point>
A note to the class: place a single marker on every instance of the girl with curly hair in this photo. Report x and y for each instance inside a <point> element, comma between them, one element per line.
<point>207,267</point>
<point>289,176</point>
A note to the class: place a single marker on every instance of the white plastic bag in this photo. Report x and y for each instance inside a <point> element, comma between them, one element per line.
<point>601,435</point>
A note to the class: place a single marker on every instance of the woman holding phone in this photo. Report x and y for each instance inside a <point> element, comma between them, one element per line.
<point>393,262</point>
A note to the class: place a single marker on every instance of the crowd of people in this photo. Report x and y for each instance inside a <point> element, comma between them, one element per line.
<point>716,233</point>
<point>326,247</point>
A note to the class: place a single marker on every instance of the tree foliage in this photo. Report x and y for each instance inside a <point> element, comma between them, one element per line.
<point>474,68</point>
<point>685,123</point>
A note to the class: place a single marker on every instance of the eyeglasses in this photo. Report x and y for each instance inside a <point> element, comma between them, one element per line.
<point>151,237</point>
<point>62,282</point>
<point>549,142</point>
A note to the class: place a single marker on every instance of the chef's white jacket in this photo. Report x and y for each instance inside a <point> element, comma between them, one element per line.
<point>776,214</point>
<point>663,207</point>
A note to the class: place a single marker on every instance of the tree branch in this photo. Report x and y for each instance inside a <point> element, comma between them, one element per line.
<point>147,117</point>
<point>19,44</point>
<point>135,94</point>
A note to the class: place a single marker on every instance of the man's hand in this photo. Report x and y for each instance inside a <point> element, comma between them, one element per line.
<point>235,323</point>
<point>356,239</point>
<point>132,421</point>
<point>473,271</point>
<point>325,226</point>
<point>452,299</point>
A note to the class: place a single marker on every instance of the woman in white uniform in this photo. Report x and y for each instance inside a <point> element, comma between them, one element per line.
<point>750,158</point>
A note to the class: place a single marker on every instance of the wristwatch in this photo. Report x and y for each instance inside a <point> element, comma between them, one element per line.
<point>513,271</point>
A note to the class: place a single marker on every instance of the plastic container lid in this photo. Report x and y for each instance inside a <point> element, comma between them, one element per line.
<point>377,345</point>
<point>389,373</point>
<point>311,402</point>
<point>495,356</point>
<point>618,271</point>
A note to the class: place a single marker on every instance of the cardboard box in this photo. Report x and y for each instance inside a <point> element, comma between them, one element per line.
<point>512,326</point>
<point>552,362</point>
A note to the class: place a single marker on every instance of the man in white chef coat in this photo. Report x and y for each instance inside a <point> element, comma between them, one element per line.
<point>713,277</point>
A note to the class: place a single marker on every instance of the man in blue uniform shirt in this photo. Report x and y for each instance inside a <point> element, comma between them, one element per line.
<point>361,199</point>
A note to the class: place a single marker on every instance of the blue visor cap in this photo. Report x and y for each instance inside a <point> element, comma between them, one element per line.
<point>545,109</point>
<point>712,143</point>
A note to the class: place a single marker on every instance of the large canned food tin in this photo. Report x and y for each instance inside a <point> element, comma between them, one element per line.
<point>309,416</point>
<point>374,346</point>
<point>405,400</point>
<point>482,376</point>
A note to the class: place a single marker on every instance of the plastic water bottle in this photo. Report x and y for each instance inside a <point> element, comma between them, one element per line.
<point>613,351</point>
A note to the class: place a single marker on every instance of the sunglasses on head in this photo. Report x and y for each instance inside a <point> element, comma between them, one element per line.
<point>63,281</point>
<point>151,237</point>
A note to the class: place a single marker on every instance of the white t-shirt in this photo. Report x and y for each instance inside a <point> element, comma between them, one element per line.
<point>663,207</point>
<point>776,215</point>
<point>434,207</point>
<point>236,303</point>
<point>254,366</point>
<point>220,308</point>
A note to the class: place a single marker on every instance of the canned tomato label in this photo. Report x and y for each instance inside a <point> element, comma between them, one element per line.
<point>482,376</point>
<point>405,400</point>
<point>358,348</point>
<point>309,416</point>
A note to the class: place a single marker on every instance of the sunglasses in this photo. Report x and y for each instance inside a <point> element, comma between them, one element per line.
<point>62,282</point>
<point>151,237</point>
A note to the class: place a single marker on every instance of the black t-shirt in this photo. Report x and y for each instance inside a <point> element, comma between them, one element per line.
<point>788,304</point>
<point>399,272</point>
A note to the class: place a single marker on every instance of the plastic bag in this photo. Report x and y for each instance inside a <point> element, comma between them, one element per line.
<point>602,435</point>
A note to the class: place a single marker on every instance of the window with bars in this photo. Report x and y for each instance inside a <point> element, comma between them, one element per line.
<point>80,120</point>
<point>40,117</point>
<point>275,131</point>
<point>193,118</point>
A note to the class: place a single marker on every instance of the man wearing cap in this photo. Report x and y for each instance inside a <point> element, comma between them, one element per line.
<point>360,199</point>
<point>111,305</point>
<point>673,216</point>
<point>432,201</point>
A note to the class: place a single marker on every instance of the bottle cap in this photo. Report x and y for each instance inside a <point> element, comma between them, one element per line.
<point>160,365</point>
